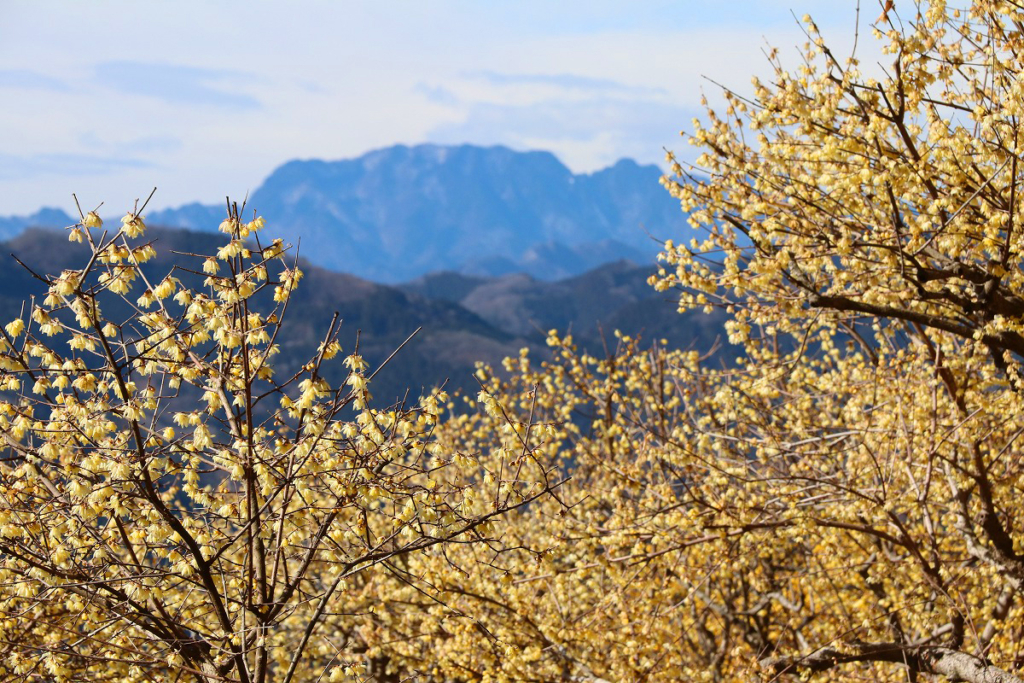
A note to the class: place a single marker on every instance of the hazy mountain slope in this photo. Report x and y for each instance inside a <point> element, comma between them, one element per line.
<point>451,340</point>
<point>593,305</point>
<point>399,212</point>
<point>464,318</point>
<point>11,226</point>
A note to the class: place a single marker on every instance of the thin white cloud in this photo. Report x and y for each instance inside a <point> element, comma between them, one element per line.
<point>563,81</point>
<point>437,94</point>
<point>177,84</point>
<point>13,167</point>
<point>26,79</point>
<point>607,128</point>
<point>146,144</point>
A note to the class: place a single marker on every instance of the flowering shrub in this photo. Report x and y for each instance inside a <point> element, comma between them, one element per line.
<point>169,507</point>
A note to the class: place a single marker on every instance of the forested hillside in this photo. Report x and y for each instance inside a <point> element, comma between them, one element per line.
<point>401,212</point>
<point>463,319</point>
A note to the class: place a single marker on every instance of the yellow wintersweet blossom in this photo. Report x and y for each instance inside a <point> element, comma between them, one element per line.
<point>169,511</point>
<point>844,502</point>
<point>132,225</point>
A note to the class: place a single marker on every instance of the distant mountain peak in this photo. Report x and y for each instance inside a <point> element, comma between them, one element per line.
<point>399,212</point>
<point>46,217</point>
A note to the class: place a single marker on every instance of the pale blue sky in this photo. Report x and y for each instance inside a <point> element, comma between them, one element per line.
<point>205,99</point>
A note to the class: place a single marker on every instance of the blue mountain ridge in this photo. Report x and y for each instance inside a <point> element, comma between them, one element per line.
<point>397,213</point>
<point>47,217</point>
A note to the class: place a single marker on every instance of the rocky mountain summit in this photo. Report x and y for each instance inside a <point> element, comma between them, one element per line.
<point>398,213</point>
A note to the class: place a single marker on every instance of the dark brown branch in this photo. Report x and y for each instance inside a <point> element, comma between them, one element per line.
<point>935,661</point>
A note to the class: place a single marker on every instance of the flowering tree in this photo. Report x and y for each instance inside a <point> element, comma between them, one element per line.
<point>171,509</point>
<point>846,501</point>
<point>876,221</point>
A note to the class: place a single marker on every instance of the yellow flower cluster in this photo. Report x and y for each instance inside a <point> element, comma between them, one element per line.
<point>167,508</point>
